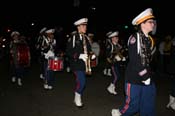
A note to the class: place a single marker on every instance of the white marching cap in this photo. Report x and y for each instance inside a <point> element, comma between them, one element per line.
<point>81,21</point>
<point>113,34</point>
<point>108,33</point>
<point>146,14</point>
<point>43,29</point>
<point>15,33</point>
<point>50,31</point>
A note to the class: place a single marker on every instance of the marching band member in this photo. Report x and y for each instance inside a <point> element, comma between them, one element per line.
<point>15,35</point>
<point>20,56</point>
<point>48,49</point>
<point>139,87</point>
<point>39,43</point>
<point>78,49</point>
<point>107,69</point>
<point>113,52</point>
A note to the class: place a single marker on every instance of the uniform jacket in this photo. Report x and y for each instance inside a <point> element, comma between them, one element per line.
<point>111,52</point>
<point>135,64</point>
<point>74,49</point>
<point>48,45</point>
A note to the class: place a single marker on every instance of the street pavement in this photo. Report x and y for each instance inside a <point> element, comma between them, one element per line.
<point>33,100</point>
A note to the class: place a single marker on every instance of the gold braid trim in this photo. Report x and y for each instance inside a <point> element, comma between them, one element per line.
<point>152,41</point>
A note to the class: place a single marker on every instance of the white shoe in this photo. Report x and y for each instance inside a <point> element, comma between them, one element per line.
<point>50,87</point>
<point>173,106</point>
<point>77,100</point>
<point>13,79</point>
<point>109,72</point>
<point>115,112</point>
<point>46,86</point>
<point>105,71</point>
<point>111,89</point>
<point>19,82</point>
<point>41,76</point>
<point>171,101</point>
<point>68,69</point>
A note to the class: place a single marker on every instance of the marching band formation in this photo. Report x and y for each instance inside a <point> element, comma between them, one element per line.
<point>82,56</point>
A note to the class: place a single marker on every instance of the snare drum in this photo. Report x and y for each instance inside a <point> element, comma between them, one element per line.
<point>55,63</point>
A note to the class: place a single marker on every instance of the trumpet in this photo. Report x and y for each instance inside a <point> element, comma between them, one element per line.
<point>88,61</point>
<point>88,66</point>
<point>116,56</point>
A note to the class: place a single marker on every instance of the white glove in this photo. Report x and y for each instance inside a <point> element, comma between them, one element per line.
<point>93,57</point>
<point>49,54</point>
<point>147,82</point>
<point>118,58</point>
<point>115,112</point>
<point>143,72</point>
<point>123,59</point>
<point>84,57</point>
<point>54,42</point>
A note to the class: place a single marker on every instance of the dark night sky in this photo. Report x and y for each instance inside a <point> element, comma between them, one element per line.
<point>109,14</point>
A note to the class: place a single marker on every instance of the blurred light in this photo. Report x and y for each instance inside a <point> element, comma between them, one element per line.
<point>32,24</point>
<point>8,30</point>
<point>4,39</point>
<point>67,36</point>
<point>3,46</point>
<point>93,8</point>
<point>126,27</point>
